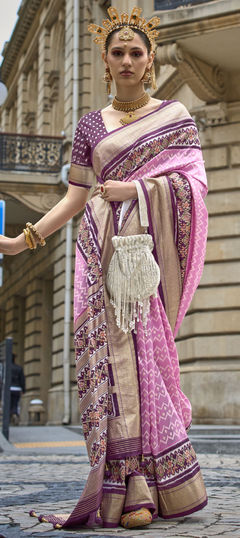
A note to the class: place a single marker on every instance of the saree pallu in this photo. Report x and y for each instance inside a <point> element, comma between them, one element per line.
<point>135,417</point>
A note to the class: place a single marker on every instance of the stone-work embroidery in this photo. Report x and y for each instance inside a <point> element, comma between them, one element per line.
<point>90,378</point>
<point>145,151</point>
<point>154,469</point>
<point>183,197</point>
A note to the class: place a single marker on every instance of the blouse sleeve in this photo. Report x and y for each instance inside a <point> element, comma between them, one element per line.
<point>81,161</point>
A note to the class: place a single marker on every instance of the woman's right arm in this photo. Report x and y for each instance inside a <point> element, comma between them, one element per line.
<point>73,202</point>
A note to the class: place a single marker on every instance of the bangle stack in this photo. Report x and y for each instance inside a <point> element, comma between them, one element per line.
<point>33,237</point>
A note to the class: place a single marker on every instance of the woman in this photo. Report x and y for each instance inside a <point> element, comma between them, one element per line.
<point>134,415</point>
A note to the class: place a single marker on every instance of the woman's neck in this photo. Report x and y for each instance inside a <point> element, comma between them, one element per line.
<point>124,93</point>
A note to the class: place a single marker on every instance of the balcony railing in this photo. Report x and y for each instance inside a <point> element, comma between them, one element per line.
<point>173,4</point>
<point>30,153</point>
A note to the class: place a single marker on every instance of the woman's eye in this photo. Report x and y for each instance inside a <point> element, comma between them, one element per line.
<point>116,53</point>
<point>137,53</point>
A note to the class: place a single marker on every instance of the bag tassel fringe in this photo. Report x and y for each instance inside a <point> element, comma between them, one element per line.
<point>133,277</point>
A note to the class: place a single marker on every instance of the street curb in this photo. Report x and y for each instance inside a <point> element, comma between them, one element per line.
<point>5,446</point>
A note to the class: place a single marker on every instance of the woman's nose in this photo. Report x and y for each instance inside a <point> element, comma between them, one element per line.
<point>126,59</point>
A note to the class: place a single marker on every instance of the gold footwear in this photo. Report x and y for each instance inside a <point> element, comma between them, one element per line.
<point>138,518</point>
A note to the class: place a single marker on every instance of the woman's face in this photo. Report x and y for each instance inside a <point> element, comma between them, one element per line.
<point>127,60</point>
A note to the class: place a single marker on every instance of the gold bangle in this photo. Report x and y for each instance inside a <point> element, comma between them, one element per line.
<point>31,239</point>
<point>40,239</point>
<point>28,239</point>
<point>34,242</point>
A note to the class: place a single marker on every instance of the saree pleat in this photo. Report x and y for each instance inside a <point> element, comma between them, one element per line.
<point>135,417</point>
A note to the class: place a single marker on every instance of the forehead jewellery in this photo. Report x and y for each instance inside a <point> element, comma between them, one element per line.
<point>126,24</point>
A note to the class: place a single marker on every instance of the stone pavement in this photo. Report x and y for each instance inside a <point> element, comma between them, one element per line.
<point>50,479</point>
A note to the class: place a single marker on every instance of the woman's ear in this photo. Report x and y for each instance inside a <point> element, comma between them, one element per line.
<point>150,59</point>
<point>104,57</point>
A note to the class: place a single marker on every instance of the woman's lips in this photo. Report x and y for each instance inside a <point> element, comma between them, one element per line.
<point>126,73</point>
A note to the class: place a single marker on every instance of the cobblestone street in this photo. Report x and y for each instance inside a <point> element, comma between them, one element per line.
<point>50,481</point>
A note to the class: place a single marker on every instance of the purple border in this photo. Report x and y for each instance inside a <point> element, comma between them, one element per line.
<point>187,512</point>
<point>190,246</point>
<point>133,507</point>
<point>134,337</point>
<point>115,404</point>
<point>74,520</point>
<point>115,222</point>
<point>151,232</point>
<point>124,448</point>
<point>93,224</point>
<point>174,210</point>
<point>108,525</point>
<point>114,489</point>
<point>79,184</point>
<point>177,481</point>
<point>110,374</point>
<point>160,132</point>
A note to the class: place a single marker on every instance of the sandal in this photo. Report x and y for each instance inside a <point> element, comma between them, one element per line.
<point>138,518</point>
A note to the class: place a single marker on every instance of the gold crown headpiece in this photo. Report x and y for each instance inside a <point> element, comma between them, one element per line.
<point>134,21</point>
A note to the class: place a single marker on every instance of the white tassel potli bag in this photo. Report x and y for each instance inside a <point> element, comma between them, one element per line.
<point>133,274</point>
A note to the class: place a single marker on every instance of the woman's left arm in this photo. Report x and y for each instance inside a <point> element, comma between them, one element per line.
<point>117,191</point>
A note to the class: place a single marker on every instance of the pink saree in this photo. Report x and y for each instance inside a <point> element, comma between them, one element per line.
<point>135,417</point>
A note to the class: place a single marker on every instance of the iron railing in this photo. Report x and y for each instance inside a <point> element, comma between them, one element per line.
<point>173,4</point>
<point>30,153</point>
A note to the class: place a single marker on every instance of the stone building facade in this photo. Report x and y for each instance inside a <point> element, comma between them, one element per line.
<point>54,76</point>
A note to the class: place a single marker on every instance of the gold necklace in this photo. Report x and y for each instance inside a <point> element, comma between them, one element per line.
<point>130,107</point>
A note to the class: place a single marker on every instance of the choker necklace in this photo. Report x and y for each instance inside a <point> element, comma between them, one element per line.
<point>130,107</point>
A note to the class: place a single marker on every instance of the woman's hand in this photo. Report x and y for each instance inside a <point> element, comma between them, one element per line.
<point>117,191</point>
<point>73,202</point>
<point>12,245</point>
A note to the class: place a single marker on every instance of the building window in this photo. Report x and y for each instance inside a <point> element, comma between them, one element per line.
<point>173,4</point>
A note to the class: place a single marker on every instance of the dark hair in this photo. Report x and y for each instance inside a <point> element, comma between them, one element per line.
<point>136,30</point>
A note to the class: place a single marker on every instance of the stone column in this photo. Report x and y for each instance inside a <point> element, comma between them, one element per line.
<point>21,103</point>
<point>68,78</point>
<point>43,113</point>
<point>2,324</point>
<point>14,324</point>
<point>5,120</point>
<point>36,343</point>
<point>46,348</point>
<point>55,397</point>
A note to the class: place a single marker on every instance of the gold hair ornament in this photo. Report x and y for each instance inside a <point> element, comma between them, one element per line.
<point>128,23</point>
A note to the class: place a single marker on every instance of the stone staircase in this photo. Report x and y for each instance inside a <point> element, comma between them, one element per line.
<point>207,438</point>
<point>214,439</point>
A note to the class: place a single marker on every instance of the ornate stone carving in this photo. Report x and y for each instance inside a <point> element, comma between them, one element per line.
<point>208,82</point>
<point>30,118</point>
<point>209,116</point>
<point>38,201</point>
<point>53,81</point>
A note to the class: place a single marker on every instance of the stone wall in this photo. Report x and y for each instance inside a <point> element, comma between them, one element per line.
<point>209,339</point>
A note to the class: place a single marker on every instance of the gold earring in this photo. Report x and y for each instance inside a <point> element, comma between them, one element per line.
<point>108,79</point>
<point>147,78</point>
<point>153,77</point>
